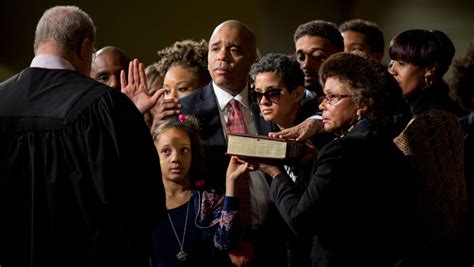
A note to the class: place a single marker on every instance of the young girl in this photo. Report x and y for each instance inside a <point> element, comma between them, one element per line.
<point>199,221</point>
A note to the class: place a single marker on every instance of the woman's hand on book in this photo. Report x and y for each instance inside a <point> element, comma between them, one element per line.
<point>300,132</point>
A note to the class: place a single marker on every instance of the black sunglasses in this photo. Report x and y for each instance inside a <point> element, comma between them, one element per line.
<point>272,95</point>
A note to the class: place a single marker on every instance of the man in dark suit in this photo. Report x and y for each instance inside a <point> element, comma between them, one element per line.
<point>232,50</point>
<point>229,62</point>
<point>79,175</point>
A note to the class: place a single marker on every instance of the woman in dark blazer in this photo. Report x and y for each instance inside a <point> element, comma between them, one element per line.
<point>360,200</point>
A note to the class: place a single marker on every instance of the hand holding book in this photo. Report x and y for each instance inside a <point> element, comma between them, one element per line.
<point>236,168</point>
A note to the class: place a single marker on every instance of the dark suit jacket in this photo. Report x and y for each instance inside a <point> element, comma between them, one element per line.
<point>359,202</point>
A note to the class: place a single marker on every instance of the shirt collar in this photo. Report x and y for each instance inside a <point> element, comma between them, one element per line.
<point>224,97</point>
<point>51,62</point>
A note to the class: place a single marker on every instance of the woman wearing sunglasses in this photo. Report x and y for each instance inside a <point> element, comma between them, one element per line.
<point>360,200</point>
<point>278,90</point>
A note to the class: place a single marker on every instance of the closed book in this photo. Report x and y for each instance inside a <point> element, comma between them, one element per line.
<point>259,146</point>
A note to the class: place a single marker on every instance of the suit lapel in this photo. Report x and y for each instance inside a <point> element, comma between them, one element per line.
<point>209,118</point>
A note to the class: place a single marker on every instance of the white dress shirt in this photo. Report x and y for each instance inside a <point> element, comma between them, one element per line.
<point>51,62</point>
<point>223,99</point>
<point>259,188</point>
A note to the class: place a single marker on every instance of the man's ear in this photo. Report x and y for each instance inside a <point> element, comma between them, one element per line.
<point>85,50</point>
<point>298,93</point>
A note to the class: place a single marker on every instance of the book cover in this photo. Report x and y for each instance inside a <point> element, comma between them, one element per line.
<point>259,146</point>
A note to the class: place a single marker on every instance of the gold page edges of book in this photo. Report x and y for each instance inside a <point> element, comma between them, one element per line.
<point>258,146</point>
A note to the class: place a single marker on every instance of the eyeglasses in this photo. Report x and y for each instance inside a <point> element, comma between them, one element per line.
<point>273,95</point>
<point>332,99</point>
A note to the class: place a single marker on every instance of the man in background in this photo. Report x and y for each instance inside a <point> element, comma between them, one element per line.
<point>364,38</point>
<point>107,64</point>
<point>315,41</point>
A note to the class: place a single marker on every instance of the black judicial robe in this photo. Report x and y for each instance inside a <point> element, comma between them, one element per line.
<point>80,182</point>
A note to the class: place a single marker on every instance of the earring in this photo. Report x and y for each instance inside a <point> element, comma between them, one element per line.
<point>428,81</point>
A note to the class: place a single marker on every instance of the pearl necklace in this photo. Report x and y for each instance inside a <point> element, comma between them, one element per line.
<point>181,254</point>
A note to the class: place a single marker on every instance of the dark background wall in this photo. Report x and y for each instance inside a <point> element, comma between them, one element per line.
<point>144,27</point>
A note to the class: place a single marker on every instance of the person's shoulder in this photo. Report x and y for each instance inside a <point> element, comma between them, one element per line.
<point>362,137</point>
<point>200,94</point>
<point>198,101</point>
<point>99,98</point>
<point>11,79</point>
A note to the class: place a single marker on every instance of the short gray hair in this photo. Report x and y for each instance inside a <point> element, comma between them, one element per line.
<point>66,26</point>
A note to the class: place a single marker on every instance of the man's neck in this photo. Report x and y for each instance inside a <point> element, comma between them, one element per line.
<point>315,89</point>
<point>45,61</point>
<point>232,92</point>
<point>50,48</point>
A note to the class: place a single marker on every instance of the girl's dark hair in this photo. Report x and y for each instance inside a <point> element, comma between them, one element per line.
<point>423,48</point>
<point>190,126</point>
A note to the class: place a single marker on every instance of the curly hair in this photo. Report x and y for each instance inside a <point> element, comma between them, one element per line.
<point>323,29</point>
<point>283,66</point>
<point>190,126</point>
<point>372,32</point>
<point>189,54</point>
<point>372,85</point>
<point>462,83</point>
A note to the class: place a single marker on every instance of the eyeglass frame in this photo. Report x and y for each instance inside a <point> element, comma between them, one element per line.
<point>259,95</point>
<point>332,99</point>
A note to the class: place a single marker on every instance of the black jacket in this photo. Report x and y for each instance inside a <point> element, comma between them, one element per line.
<point>360,201</point>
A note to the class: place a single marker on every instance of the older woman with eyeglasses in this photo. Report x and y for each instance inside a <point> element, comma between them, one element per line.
<point>360,201</point>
